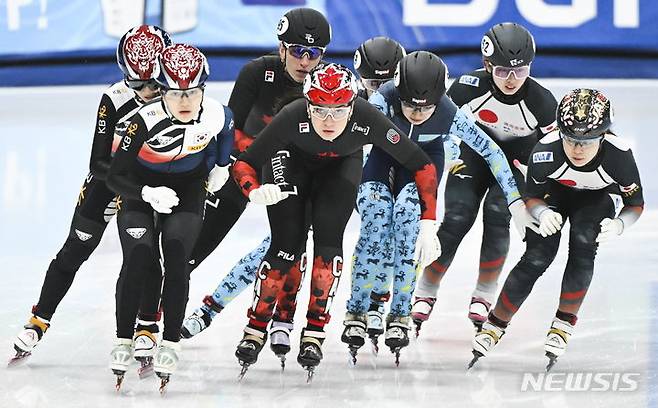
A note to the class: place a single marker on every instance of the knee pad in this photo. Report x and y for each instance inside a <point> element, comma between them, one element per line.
<point>84,237</point>
<point>496,214</point>
<point>459,217</point>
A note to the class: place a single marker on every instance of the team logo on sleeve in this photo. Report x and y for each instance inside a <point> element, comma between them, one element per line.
<point>269,76</point>
<point>393,136</point>
<point>304,127</point>
<point>629,190</point>
<point>469,80</point>
<point>542,157</point>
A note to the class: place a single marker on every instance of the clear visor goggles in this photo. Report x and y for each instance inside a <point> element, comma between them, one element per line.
<point>504,72</point>
<point>180,93</point>
<point>323,112</point>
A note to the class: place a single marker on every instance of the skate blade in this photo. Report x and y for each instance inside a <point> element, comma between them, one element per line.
<point>164,380</point>
<point>120,376</point>
<point>476,356</point>
<point>19,359</point>
<point>146,368</point>
<point>353,352</point>
<point>282,357</point>
<point>310,370</point>
<point>243,371</point>
<point>552,359</point>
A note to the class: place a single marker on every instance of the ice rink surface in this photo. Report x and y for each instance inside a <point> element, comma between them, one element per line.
<point>46,138</point>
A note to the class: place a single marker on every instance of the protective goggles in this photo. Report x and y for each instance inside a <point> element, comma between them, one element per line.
<point>180,93</point>
<point>322,112</point>
<point>416,108</point>
<point>139,84</point>
<point>374,84</point>
<point>298,51</point>
<point>504,72</point>
<point>571,141</point>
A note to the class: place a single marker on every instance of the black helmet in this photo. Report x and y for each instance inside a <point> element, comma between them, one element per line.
<point>508,45</point>
<point>377,58</point>
<point>584,114</point>
<point>421,78</point>
<point>304,26</point>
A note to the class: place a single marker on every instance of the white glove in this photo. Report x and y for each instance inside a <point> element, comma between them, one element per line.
<point>550,222</point>
<point>610,228</point>
<point>217,177</point>
<point>428,247</point>
<point>522,219</point>
<point>161,198</point>
<point>522,168</point>
<point>267,194</point>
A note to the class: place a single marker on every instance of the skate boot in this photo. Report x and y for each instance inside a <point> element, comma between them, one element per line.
<point>28,339</point>
<point>310,350</point>
<point>120,358</point>
<point>556,340</point>
<point>376,320</point>
<point>165,362</point>
<point>485,340</point>
<point>145,344</point>
<point>280,340</point>
<point>421,311</point>
<point>397,337</point>
<point>478,312</point>
<point>200,319</point>
<point>354,334</point>
<point>251,344</point>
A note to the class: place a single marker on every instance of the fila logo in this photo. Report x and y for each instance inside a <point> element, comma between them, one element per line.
<point>83,236</point>
<point>286,256</point>
<point>136,233</point>
<point>269,76</point>
<point>304,127</point>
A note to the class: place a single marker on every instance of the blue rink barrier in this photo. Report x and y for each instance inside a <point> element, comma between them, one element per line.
<point>617,38</point>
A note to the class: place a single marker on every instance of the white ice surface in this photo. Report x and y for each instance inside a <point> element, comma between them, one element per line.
<point>46,138</point>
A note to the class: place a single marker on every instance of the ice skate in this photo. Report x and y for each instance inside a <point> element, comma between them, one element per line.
<point>310,351</point>
<point>354,334</point>
<point>421,311</point>
<point>28,339</point>
<point>251,344</point>
<point>556,341</point>
<point>375,324</point>
<point>195,323</point>
<point>280,340</point>
<point>145,345</point>
<point>478,311</point>
<point>484,341</point>
<point>397,337</point>
<point>120,359</point>
<point>165,362</point>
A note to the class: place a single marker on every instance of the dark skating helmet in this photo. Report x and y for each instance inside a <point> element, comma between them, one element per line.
<point>377,58</point>
<point>181,66</point>
<point>138,49</point>
<point>508,45</point>
<point>304,26</point>
<point>584,114</point>
<point>421,78</point>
